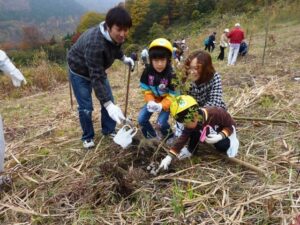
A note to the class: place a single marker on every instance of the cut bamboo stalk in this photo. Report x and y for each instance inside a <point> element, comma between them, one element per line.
<point>247,165</point>
<point>265,119</point>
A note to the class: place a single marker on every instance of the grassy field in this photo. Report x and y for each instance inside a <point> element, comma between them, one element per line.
<point>55,181</point>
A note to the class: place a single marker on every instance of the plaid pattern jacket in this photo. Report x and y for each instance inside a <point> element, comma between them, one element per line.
<point>208,94</point>
<point>90,56</point>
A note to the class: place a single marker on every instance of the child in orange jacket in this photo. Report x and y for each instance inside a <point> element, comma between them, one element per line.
<point>156,84</point>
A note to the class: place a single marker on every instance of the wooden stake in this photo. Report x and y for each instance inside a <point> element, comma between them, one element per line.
<point>127,91</point>
<point>70,85</point>
<point>267,23</point>
<point>2,146</point>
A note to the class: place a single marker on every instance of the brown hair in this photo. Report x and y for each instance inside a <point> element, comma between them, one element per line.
<point>204,64</point>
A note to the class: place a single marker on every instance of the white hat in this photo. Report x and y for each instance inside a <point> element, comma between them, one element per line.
<point>226,30</point>
<point>237,25</point>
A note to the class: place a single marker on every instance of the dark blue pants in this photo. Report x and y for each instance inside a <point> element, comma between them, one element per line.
<point>82,89</point>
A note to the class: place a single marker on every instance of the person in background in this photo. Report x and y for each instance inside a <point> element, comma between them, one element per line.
<point>134,57</point>
<point>211,125</point>
<point>158,90</point>
<point>177,55</point>
<point>145,56</point>
<point>236,36</point>
<point>223,44</point>
<point>88,59</point>
<point>210,46</point>
<point>243,48</point>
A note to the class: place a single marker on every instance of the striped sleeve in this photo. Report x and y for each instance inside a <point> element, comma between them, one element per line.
<point>148,94</point>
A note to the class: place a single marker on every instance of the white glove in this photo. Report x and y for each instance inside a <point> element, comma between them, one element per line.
<point>158,107</point>
<point>234,144</point>
<point>179,127</point>
<point>184,153</point>
<point>213,138</point>
<point>10,70</point>
<point>115,112</point>
<point>17,78</point>
<point>152,106</point>
<point>232,152</point>
<point>165,163</point>
<point>129,61</point>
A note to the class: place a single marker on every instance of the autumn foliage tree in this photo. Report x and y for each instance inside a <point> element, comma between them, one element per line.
<point>32,38</point>
<point>167,12</point>
<point>89,20</point>
<point>156,31</point>
<point>139,10</point>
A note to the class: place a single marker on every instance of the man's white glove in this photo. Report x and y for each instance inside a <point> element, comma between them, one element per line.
<point>165,163</point>
<point>184,153</point>
<point>129,61</point>
<point>115,112</point>
<point>213,138</point>
<point>152,106</point>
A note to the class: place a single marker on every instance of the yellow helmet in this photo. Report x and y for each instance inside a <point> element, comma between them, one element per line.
<point>181,103</point>
<point>161,42</point>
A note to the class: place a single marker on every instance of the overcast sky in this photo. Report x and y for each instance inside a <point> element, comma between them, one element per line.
<point>99,5</point>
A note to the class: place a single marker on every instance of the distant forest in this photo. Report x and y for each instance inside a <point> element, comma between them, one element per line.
<point>160,14</point>
<point>39,10</point>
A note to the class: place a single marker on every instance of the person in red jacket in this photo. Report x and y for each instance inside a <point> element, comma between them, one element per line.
<point>236,36</point>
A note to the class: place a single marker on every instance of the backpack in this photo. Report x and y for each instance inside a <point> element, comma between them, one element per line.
<point>206,41</point>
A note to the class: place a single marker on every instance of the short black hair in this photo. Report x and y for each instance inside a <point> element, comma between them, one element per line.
<point>159,53</point>
<point>118,16</point>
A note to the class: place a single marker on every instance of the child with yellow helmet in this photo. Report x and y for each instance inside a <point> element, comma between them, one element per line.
<point>158,90</point>
<point>205,83</point>
<point>212,125</point>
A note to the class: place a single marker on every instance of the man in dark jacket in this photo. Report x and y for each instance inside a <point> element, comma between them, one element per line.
<point>93,53</point>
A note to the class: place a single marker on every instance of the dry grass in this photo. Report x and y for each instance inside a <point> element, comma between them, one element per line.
<point>54,181</point>
<point>43,75</point>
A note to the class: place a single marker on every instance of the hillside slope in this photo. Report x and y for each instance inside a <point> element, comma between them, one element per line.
<point>56,182</point>
<point>51,17</point>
